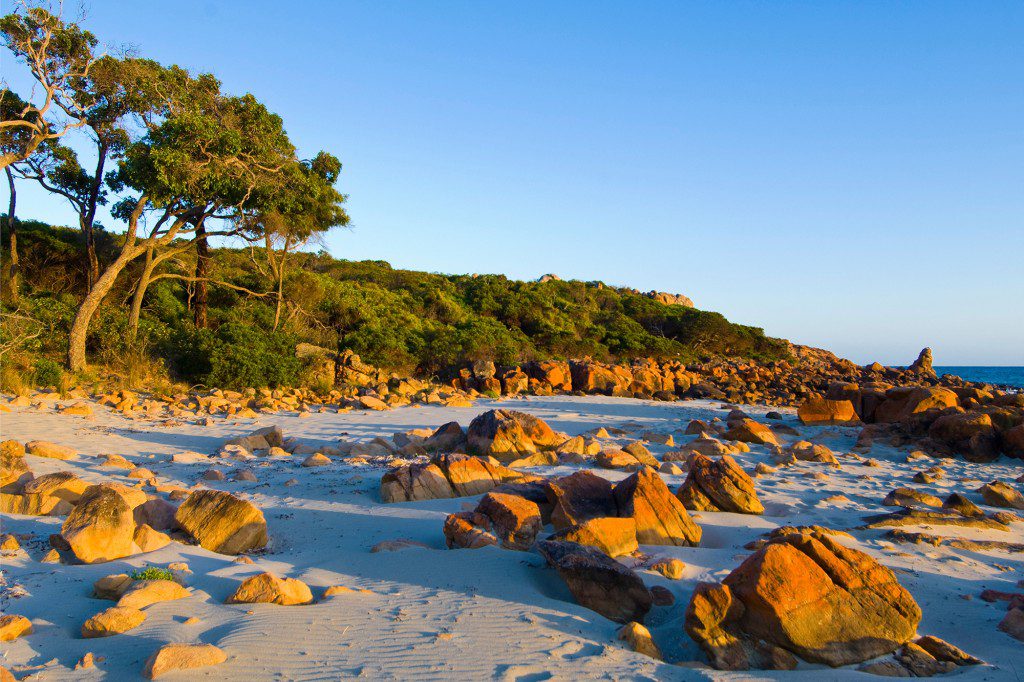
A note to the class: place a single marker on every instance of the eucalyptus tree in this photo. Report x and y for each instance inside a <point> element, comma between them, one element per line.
<point>59,56</point>
<point>308,206</point>
<point>210,158</point>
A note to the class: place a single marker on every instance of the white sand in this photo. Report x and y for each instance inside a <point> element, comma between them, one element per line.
<point>465,614</point>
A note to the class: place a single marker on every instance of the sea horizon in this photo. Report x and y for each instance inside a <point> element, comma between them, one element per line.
<point>1004,375</point>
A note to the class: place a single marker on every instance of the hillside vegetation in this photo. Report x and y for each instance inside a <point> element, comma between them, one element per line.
<point>410,321</point>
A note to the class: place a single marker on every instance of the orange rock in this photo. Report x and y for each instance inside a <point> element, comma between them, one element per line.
<point>661,519</point>
<point>613,536</point>
<point>820,411</point>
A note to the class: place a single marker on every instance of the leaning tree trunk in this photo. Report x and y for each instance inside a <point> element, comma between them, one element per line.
<point>91,302</point>
<point>140,294</point>
<point>201,296</point>
<point>12,236</point>
<point>88,221</point>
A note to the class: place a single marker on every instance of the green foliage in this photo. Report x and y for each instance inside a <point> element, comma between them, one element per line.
<point>404,320</point>
<point>47,373</point>
<point>151,573</point>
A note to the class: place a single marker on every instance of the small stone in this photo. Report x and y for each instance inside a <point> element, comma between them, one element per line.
<point>639,640</point>
<point>672,569</point>
<point>316,460</point>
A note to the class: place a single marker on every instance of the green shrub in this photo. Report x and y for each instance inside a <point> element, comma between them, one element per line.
<point>151,573</point>
<point>48,373</point>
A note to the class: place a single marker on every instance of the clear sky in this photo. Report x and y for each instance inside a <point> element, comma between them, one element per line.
<point>843,174</point>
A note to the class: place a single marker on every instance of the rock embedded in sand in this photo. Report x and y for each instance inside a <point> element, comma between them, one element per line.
<point>672,569</point>
<point>42,448</point>
<point>960,504</point>
<point>999,494</point>
<point>112,586</point>
<point>515,521</point>
<point>807,595</point>
<point>267,588</point>
<point>101,527</point>
<point>13,626</point>
<point>598,582</point>
<point>911,499</point>
<point>113,621</point>
<point>613,536</point>
<point>12,463</point>
<point>747,430</point>
<point>261,439</point>
<point>316,460</point>
<point>719,486</point>
<point>447,438</point>
<point>143,593</point>
<point>149,540</point>
<point>639,640</point>
<point>805,451</point>
<point>509,435</point>
<point>222,523</point>
<point>468,530</point>
<point>444,477</point>
<point>661,519</point>
<point>171,657</point>
<point>579,497</point>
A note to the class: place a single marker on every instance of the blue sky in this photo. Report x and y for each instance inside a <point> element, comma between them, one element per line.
<point>843,174</point>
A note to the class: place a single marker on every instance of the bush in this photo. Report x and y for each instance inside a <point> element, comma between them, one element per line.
<point>151,573</point>
<point>48,373</point>
<point>244,357</point>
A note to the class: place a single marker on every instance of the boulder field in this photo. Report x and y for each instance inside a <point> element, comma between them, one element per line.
<point>632,521</point>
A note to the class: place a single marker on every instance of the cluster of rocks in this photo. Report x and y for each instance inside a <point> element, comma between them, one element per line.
<point>810,374</point>
<point>976,424</point>
<point>109,521</point>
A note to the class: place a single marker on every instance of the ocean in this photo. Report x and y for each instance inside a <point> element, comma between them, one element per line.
<point>1010,376</point>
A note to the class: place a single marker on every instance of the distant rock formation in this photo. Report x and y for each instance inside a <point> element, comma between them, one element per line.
<point>669,299</point>
<point>923,364</point>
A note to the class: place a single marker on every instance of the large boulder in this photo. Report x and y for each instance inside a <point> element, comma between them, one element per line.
<point>719,486</point>
<point>113,621</point>
<point>515,520</point>
<point>446,438</point>
<point>598,582</point>
<point>444,477</point>
<point>613,536</point>
<point>12,463</point>
<point>579,497</point>
<point>999,494</point>
<point>508,435</point>
<point>101,527</point>
<point>750,431</point>
<point>807,595</point>
<point>824,412</point>
<point>222,523</point>
<point>923,364</point>
<point>261,439</point>
<point>661,519</point>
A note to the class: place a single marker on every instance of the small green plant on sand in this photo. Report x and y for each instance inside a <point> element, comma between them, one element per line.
<point>151,573</point>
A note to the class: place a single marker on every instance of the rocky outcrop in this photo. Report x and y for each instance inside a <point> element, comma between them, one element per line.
<point>508,435</point>
<point>719,486</point>
<point>445,477</point>
<point>805,595</point>
<point>598,582</point>
<point>222,523</point>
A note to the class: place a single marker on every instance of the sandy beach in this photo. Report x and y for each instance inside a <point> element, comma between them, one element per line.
<point>437,613</point>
